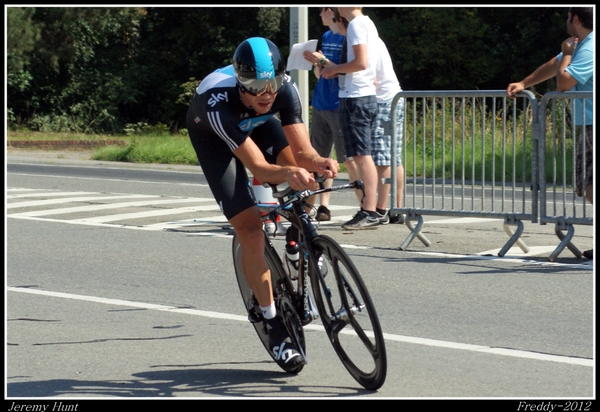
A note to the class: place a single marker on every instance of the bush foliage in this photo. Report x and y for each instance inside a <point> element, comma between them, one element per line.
<point>98,69</point>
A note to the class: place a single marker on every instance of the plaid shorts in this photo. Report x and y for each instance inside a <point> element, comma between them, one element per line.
<point>381,138</point>
<point>584,173</point>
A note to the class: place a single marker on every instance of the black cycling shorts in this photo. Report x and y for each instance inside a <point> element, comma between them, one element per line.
<point>225,173</point>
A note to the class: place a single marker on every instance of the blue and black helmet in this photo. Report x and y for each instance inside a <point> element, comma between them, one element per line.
<point>258,66</point>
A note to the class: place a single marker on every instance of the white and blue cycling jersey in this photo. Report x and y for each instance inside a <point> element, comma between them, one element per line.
<point>218,122</point>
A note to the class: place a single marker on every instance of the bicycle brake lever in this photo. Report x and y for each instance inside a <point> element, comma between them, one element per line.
<point>358,184</point>
<point>320,179</point>
<point>282,194</point>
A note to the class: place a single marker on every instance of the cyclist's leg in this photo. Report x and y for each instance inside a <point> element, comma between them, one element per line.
<point>285,347</point>
<point>271,140</point>
<point>228,180</point>
<point>248,227</point>
<point>277,345</point>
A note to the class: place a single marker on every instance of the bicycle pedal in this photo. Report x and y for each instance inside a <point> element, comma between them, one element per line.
<point>307,318</point>
<point>254,317</point>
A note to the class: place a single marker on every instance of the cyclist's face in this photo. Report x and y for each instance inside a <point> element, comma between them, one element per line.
<point>261,104</point>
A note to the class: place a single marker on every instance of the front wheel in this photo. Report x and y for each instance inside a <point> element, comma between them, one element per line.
<point>348,314</point>
<point>281,293</point>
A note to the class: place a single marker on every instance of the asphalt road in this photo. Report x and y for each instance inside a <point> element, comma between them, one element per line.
<point>120,286</point>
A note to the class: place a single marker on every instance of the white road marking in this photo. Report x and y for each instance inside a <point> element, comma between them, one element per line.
<point>139,215</point>
<point>516,251</point>
<point>388,336</point>
<point>210,220</point>
<point>89,208</point>
<point>47,194</point>
<point>515,255</point>
<point>46,202</point>
<point>116,180</point>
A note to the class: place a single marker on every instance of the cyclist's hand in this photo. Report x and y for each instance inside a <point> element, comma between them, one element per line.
<point>300,179</point>
<point>327,167</point>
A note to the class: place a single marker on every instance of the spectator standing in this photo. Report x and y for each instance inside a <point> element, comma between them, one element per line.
<point>358,107</point>
<point>574,71</point>
<point>387,87</point>
<point>325,131</point>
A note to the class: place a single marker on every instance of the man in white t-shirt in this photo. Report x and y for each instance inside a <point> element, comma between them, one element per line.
<point>325,130</point>
<point>358,107</point>
<point>387,87</point>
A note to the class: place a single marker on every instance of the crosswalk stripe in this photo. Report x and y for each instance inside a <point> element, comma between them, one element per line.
<point>90,208</point>
<point>152,213</point>
<point>46,202</point>
<point>49,194</point>
<point>151,200</point>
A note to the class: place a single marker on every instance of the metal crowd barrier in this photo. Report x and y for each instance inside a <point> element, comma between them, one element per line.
<point>476,154</point>
<point>559,203</point>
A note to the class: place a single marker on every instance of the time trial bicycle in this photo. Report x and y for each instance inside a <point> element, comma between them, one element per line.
<point>323,284</point>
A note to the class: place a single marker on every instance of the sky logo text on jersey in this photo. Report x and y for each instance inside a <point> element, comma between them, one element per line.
<point>216,98</point>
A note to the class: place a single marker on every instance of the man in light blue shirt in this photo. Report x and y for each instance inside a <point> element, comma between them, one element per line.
<point>576,64</point>
<point>574,71</point>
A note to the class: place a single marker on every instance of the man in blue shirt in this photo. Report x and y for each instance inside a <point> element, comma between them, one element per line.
<point>574,71</point>
<point>325,130</point>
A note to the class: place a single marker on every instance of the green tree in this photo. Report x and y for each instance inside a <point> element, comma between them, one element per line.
<point>468,48</point>
<point>21,36</point>
<point>99,68</point>
<point>181,43</point>
<point>79,68</point>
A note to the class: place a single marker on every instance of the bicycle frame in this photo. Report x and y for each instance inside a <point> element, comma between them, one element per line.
<point>326,274</point>
<point>294,211</point>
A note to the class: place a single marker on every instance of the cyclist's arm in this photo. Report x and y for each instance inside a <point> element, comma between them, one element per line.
<point>305,154</point>
<point>251,156</point>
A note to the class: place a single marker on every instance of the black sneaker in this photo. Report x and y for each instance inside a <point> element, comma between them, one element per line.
<point>323,214</point>
<point>589,254</point>
<point>397,219</point>
<point>281,346</point>
<point>361,220</point>
<point>384,218</point>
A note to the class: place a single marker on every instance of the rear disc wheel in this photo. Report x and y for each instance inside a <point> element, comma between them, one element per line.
<point>281,294</point>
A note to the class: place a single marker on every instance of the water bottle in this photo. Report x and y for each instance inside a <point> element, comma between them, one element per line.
<point>292,258</point>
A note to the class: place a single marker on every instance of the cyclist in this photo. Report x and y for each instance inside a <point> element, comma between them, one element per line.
<point>232,126</point>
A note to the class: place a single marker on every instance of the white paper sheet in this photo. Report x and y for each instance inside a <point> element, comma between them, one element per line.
<point>296,60</point>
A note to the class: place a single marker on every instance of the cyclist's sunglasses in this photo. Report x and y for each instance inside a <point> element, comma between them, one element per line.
<point>257,87</point>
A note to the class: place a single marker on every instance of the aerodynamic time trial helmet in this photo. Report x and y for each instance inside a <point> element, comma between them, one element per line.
<point>258,66</point>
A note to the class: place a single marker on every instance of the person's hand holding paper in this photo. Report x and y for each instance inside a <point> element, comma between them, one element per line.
<point>296,60</point>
